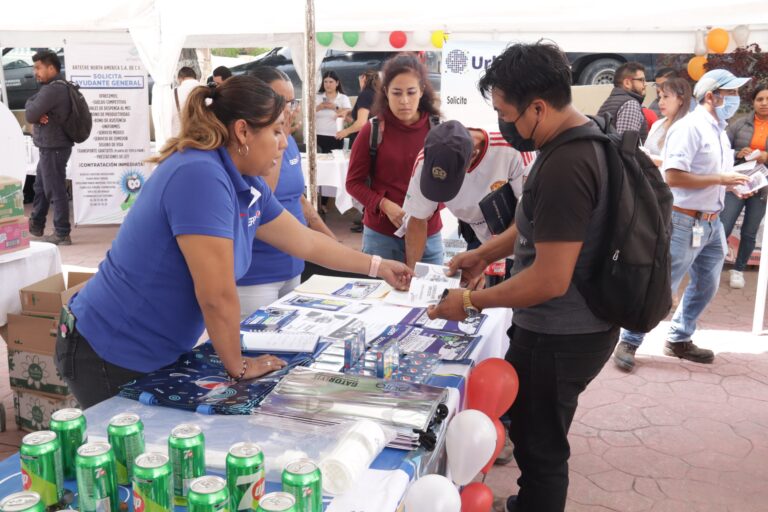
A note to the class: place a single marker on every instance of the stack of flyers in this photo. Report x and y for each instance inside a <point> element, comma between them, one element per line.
<point>328,398</point>
<point>199,382</point>
<point>419,318</point>
<point>325,304</point>
<point>268,319</point>
<point>445,345</point>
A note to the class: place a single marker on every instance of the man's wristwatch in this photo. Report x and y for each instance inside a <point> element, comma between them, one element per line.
<point>469,309</point>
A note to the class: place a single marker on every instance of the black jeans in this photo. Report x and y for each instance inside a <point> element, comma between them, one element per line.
<point>90,378</point>
<point>51,187</point>
<point>553,371</point>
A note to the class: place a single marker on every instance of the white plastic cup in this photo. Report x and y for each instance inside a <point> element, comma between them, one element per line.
<point>339,124</point>
<point>352,455</point>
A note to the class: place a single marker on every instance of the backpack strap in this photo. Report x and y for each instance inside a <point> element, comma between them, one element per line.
<point>377,133</point>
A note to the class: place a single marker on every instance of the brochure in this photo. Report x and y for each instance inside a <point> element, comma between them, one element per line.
<point>427,286</point>
<point>447,346</point>
<point>344,287</point>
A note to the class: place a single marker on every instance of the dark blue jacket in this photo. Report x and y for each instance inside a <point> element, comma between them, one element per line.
<point>52,99</point>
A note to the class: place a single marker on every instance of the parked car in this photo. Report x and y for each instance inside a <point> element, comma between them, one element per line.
<point>599,68</point>
<point>20,74</point>
<point>347,64</point>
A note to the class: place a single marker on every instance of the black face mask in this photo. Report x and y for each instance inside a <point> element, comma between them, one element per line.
<point>511,135</point>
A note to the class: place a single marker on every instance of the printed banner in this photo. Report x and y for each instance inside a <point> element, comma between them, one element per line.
<point>463,64</point>
<point>109,169</point>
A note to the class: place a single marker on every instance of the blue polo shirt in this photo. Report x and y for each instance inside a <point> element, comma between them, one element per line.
<point>139,311</point>
<point>270,265</point>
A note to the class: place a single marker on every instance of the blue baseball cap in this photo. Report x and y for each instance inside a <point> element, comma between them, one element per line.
<point>447,155</point>
<point>717,79</point>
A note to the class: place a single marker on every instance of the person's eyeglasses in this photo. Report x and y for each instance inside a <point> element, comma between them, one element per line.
<point>639,80</point>
<point>293,104</point>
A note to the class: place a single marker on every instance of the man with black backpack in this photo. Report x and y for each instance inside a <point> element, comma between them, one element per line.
<point>557,344</point>
<point>47,111</point>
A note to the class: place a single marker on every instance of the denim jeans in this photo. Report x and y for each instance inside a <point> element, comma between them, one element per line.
<point>754,211</point>
<point>553,370</point>
<point>703,264</point>
<point>51,187</point>
<point>393,248</point>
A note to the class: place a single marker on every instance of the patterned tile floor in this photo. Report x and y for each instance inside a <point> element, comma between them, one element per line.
<point>670,437</point>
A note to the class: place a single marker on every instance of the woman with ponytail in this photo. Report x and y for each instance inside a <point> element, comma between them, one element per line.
<point>171,271</point>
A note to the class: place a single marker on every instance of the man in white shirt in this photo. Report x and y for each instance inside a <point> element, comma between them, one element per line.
<point>187,81</point>
<point>698,166</point>
<point>475,163</point>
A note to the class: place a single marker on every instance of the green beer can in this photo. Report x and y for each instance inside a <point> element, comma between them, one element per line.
<point>208,494</point>
<point>152,483</point>
<point>126,435</point>
<point>245,476</point>
<point>303,480</point>
<point>277,502</point>
<point>41,466</point>
<point>69,425</point>
<point>186,448</point>
<point>96,480</point>
<point>28,501</point>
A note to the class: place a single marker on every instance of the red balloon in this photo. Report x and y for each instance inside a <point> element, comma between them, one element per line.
<point>476,497</point>
<point>501,436</point>
<point>398,39</point>
<point>492,387</point>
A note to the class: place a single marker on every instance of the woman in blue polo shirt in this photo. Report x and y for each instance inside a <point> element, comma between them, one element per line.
<point>274,273</point>
<point>171,271</point>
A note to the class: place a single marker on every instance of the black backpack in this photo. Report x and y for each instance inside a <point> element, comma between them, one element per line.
<point>629,284</point>
<point>79,123</point>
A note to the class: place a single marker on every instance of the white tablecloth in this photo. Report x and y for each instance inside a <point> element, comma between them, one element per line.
<point>22,268</point>
<point>331,173</point>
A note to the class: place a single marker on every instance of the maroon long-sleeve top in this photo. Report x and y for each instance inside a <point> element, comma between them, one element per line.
<point>396,155</point>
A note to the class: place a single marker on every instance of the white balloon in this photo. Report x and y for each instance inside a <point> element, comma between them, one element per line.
<point>470,442</point>
<point>422,38</point>
<point>371,38</point>
<point>432,493</point>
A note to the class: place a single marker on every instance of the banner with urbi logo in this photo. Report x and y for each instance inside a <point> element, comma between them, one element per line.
<point>108,168</point>
<point>464,62</point>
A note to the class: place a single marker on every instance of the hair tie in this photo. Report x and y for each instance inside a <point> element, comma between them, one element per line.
<point>212,92</point>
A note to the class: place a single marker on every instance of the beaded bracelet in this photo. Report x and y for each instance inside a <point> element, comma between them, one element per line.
<point>242,372</point>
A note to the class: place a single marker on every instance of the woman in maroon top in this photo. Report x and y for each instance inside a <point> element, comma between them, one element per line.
<point>405,101</point>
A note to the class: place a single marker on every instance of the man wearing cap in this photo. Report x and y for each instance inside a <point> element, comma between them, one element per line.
<point>698,166</point>
<point>458,167</point>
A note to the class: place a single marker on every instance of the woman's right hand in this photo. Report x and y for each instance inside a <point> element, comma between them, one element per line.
<point>262,365</point>
<point>393,211</point>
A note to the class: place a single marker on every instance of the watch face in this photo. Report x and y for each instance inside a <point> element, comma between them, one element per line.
<point>470,311</point>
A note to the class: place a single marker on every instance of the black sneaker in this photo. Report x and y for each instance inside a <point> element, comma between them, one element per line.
<point>687,350</point>
<point>508,504</point>
<point>57,239</point>
<point>35,230</point>
<point>624,356</point>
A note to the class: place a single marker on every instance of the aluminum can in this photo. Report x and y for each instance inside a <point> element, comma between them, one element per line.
<point>208,494</point>
<point>245,476</point>
<point>126,435</point>
<point>70,428</point>
<point>41,466</point>
<point>186,449</point>
<point>152,483</point>
<point>303,480</point>
<point>277,502</point>
<point>96,478</point>
<point>27,501</point>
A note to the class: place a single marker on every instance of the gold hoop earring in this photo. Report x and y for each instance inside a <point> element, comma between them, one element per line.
<point>240,150</point>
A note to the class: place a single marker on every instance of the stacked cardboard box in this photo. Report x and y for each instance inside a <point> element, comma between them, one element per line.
<point>38,389</point>
<point>14,227</point>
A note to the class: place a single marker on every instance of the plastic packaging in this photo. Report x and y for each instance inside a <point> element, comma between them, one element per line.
<point>353,454</point>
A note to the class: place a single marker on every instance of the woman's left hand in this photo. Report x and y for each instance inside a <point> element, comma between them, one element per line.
<point>396,274</point>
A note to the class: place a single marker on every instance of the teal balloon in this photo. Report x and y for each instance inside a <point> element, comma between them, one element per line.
<point>324,38</point>
<point>351,38</point>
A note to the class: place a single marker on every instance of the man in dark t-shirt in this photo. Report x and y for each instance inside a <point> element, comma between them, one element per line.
<point>557,345</point>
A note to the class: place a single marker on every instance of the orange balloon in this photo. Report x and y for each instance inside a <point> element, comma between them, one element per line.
<point>717,40</point>
<point>696,67</point>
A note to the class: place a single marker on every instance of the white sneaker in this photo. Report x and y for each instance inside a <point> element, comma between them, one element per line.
<point>737,279</point>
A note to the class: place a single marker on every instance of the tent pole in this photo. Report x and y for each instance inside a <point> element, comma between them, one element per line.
<point>3,88</point>
<point>762,285</point>
<point>309,100</point>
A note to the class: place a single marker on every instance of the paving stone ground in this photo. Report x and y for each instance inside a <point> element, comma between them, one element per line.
<point>670,437</point>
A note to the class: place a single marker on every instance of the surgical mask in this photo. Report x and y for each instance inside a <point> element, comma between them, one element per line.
<point>511,135</point>
<point>728,108</point>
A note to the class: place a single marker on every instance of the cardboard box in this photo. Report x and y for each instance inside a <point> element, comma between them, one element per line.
<point>35,372</point>
<point>32,333</point>
<point>47,296</point>
<point>14,234</point>
<point>11,198</point>
<point>33,410</point>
